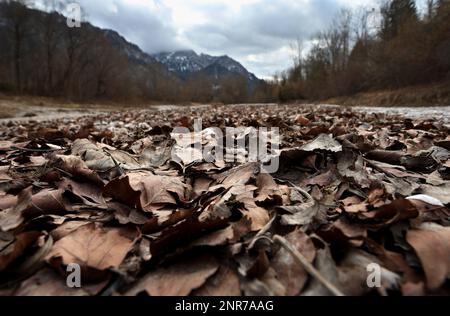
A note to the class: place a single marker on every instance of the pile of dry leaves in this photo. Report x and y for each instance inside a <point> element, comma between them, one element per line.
<point>106,193</point>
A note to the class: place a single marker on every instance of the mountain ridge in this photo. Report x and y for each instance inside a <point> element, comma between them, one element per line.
<point>186,63</point>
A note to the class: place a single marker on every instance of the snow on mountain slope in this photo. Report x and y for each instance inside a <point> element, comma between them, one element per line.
<point>187,62</point>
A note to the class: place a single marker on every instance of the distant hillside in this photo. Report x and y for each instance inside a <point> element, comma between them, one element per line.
<point>187,63</point>
<point>41,55</point>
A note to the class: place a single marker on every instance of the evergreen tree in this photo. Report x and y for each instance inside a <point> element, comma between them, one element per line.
<point>396,14</point>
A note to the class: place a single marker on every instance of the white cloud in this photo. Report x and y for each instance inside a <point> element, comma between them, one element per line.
<point>258,33</point>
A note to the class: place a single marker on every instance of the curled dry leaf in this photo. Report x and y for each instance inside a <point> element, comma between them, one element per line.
<point>323,142</point>
<point>12,249</point>
<point>102,159</point>
<point>75,166</point>
<point>343,232</point>
<point>147,191</point>
<point>93,184</point>
<point>47,201</point>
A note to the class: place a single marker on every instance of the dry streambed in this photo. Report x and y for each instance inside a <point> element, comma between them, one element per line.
<point>354,188</point>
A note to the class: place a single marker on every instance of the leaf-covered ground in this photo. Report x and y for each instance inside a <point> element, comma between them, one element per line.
<point>105,192</point>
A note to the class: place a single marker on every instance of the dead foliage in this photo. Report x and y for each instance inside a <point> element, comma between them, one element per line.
<point>106,193</point>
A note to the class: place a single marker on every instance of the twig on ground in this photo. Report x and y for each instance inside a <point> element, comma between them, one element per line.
<point>306,265</point>
<point>305,194</point>
<point>261,233</point>
<point>34,149</point>
<point>118,167</point>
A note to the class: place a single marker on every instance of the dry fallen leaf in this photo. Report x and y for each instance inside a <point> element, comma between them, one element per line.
<point>432,244</point>
<point>289,273</point>
<point>147,191</point>
<point>178,279</point>
<point>93,247</point>
<point>14,248</point>
<point>352,187</point>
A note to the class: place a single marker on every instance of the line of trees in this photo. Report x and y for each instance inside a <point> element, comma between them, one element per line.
<point>40,55</point>
<point>386,48</point>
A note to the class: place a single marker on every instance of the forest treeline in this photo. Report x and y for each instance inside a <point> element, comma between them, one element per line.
<point>41,55</point>
<point>390,47</point>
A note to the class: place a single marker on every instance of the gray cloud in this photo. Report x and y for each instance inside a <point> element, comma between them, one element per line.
<point>263,28</point>
<point>255,32</point>
<point>149,26</point>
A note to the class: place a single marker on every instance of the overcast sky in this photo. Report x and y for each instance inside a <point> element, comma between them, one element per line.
<point>257,33</point>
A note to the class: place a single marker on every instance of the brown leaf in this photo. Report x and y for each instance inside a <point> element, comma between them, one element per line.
<point>353,274</point>
<point>179,279</point>
<point>217,238</point>
<point>301,214</point>
<point>390,157</point>
<point>93,247</point>
<point>432,244</point>
<point>77,167</point>
<point>342,231</point>
<point>323,179</point>
<point>288,271</point>
<point>257,216</point>
<point>99,160</point>
<point>46,282</point>
<point>66,228</point>
<point>14,249</point>
<point>7,201</point>
<point>224,283</point>
<point>147,191</point>
<point>389,214</point>
<point>89,194</point>
<point>28,206</point>
<point>238,175</point>
<point>268,190</point>
<point>323,142</point>
<point>301,120</point>
<point>326,266</point>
